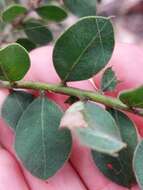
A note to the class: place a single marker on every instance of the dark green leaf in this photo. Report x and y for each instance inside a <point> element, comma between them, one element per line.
<point>119,169</point>
<point>40,144</point>
<point>37,33</point>
<point>14,62</point>
<point>81,7</point>
<point>71,100</point>
<point>14,105</point>
<point>52,12</point>
<point>138,164</point>
<point>100,131</point>
<point>133,98</point>
<point>12,12</point>
<point>109,80</point>
<point>84,49</point>
<point>26,43</point>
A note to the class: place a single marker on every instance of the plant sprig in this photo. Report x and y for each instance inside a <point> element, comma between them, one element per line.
<point>70,91</point>
<point>81,52</point>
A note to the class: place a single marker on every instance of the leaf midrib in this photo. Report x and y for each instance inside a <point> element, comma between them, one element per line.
<point>43,134</point>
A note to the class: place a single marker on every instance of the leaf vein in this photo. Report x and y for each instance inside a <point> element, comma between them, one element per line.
<point>43,136</point>
<point>84,50</point>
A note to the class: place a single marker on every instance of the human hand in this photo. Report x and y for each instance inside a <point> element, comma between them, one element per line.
<point>79,173</point>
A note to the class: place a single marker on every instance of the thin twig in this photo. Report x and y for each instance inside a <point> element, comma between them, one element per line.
<point>82,94</point>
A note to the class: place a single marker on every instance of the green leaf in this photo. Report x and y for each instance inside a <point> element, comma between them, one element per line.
<point>84,49</point>
<point>71,100</point>
<point>109,80</point>
<point>26,43</point>
<point>132,98</point>
<point>52,12</point>
<point>119,169</point>
<point>81,7</point>
<point>138,164</point>
<point>12,12</point>
<point>14,105</point>
<point>14,62</point>
<point>99,130</point>
<point>40,144</point>
<point>37,32</point>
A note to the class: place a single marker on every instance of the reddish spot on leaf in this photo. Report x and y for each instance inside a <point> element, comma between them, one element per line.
<point>109,166</point>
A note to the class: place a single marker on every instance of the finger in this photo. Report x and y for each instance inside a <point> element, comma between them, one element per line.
<point>10,174</point>
<point>42,68</point>
<point>7,138</point>
<point>93,178</point>
<point>56,183</point>
<point>48,74</point>
<point>81,157</point>
<point>127,62</point>
<point>65,179</point>
<point>6,133</point>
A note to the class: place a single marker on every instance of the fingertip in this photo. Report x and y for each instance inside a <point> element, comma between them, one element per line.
<point>42,68</point>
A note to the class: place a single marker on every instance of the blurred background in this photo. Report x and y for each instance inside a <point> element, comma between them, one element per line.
<point>128,20</point>
<point>126,15</point>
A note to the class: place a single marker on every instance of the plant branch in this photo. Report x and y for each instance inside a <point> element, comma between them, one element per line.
<point>82,94</point>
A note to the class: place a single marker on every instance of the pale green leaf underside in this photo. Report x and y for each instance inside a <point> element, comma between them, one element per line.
<point>97,128</point>
<point>138,164</point>
<point>84,49</point>
<point>40,144</point>
<point>119,169</point>
<point>103,134</point>
<point>99,141</point>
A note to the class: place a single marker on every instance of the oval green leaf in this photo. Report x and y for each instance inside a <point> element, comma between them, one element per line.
<point>40,144</point>
<point>26,43</point>
<point>100,131</point>
<point>84,49</point>
<point>109,80</point>
<point>37,32</point>
<point>119,169</point>
<point>133,97</point>
<point>14,106</point>
<point>14,62</point>
<point>12,12</point>
<point>52,12</point>
<point>138,164</point>
<point>81,7</point>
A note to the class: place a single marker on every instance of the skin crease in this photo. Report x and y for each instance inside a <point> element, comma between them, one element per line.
<point>79,173</point>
